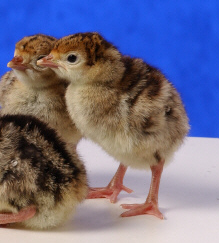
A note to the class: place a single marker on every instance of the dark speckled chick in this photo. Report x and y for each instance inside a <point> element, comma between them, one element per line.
<point>123,104</point>
<point>41,183</point>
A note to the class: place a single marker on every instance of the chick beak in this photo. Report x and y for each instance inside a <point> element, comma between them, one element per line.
<point>47,62</point>
<point>17,63</point>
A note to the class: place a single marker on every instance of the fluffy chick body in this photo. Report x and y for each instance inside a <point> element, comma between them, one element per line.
<point>33,90</point>
<point>37,170</point>
<point>139,136</point>
<point>123,104</point>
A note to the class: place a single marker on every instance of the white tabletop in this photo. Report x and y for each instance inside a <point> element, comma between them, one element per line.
<point>188,198</point>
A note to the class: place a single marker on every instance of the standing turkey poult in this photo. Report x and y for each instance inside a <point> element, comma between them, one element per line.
<point>123,104</point>
<point>41,182</point>
<point>33,90</point>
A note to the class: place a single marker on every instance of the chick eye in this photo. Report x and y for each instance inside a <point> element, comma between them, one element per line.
<point>72,58</point>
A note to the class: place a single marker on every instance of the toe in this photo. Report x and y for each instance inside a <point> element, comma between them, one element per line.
<point>140,209</point>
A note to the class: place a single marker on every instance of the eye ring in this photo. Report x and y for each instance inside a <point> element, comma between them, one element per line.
<point>72,58</point>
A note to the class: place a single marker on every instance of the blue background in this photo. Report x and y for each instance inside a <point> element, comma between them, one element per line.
<point>181,38</point>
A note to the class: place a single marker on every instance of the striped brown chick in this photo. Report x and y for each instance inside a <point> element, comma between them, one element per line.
<point>33,90</point>
<point>123,104</point>
<point>41,183</point>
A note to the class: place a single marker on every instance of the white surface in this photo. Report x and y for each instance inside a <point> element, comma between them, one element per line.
<point>188,198</point>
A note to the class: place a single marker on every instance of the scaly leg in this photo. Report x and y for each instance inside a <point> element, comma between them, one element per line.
<point>113,189</point>
<point>23,214</point>
<point>151,204</point>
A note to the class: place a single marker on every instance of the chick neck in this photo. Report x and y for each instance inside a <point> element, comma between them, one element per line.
<point>39,81</point>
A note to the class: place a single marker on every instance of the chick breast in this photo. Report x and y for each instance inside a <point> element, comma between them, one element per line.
<point>37,169</point>
<point>6,83</point>
<point>46,104</point>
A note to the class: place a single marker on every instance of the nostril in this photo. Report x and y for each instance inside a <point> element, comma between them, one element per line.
<point>49,57</point>
<point>17,59</point>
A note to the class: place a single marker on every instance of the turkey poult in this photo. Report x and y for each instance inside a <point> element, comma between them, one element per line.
<point>33,90</point>
<point>41,183</point>
<point>123,104</point>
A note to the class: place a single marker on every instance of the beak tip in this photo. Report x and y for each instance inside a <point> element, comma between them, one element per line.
<point>17,65</point>
<point>39,62</point>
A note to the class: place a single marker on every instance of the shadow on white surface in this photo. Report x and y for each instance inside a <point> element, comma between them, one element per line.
<point>188,198</point>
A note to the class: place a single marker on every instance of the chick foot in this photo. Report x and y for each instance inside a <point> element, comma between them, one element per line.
<point>23,214</point>
<point>110,192</point>
<point>151,204</point>
<point>139,209</point>
<point>113,189</point>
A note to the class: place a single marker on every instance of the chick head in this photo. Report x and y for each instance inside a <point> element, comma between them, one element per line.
<point>82,57</point>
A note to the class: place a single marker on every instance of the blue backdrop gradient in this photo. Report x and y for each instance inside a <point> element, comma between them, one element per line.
<point>181,38</point>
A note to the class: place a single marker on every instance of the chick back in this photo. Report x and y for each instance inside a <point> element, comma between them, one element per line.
<point>153,104</point>
<point>37,169</point>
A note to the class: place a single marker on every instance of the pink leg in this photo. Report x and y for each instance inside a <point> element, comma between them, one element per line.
<point>113,189</point>
<point>151,204</point>
<point>23,214</point>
